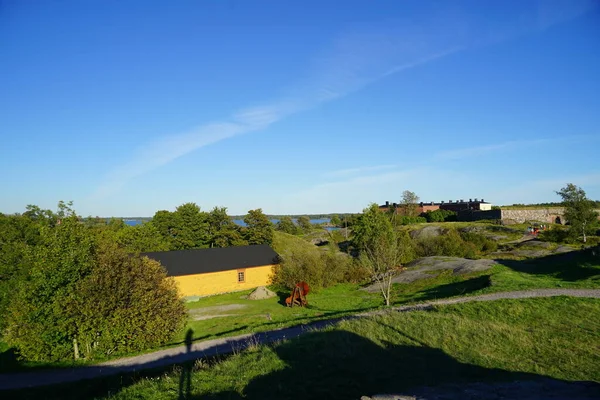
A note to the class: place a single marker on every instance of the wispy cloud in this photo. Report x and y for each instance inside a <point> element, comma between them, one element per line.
<point>351,63</point>
<point>353,60</point>
<point>475,151</point>
<point>357,170</point>
<point>466,152</point>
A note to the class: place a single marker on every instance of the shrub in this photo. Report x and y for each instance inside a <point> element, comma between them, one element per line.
<point>454,244</point>
<point>318,268</point>
<point>439,216</point>
<point>406,220</point>
<point>555,235</point>
<point>481,242</point>
<point>86,294</point>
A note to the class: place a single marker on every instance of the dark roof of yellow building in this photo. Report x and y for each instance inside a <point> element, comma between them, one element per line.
<point>201,261</point>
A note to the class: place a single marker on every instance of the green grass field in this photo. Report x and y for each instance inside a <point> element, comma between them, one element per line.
<point>572,270</point>
<point>505,340</point>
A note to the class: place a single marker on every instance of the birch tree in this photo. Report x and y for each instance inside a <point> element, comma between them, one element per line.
<point>380,250</point>
<point>579,211</point>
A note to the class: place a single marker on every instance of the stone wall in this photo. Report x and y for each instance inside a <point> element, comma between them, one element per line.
<point>548,215</point>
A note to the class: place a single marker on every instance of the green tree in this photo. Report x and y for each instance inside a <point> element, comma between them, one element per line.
<point>165,223</point>
<point>125,304</point>
<point>380,249</point>
<point>409,203</point>
<point>191,227</point>
<point>285,224</point>
<point>85,295</point>
<point>304,223</point>
<point>259,230</point>
<point>335,220</point>
<point>37,324</point>
<point>185,228</point>
<point>579,211</point>
<point>18,233</point>
<point>222,231</point>
<point>142,238</point>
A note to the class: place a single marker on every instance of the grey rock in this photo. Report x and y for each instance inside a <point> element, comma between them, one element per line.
<point>427,232</point>
<point>422,268</point>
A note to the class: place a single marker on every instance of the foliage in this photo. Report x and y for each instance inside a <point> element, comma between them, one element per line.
<point>440,215</point>
<point>321,269</point>
<point>304,223</point>
<point>184,228</point>
<point>369,226</point>
<point>190,228</point>
<point>381,251</point>
<point>555,234</point>
<point>222,231</point>
<point>455,244</point>
<point>335,220</point>
<point>141,238</point>
<point>84,295</point>
<point>17,234</point>
<point>579,211</point>
<point>407,220</point>
<point>409,203</point>
<point>125,304</point>
<point>259,230</point>
<point>285,224</point>
<point>37,322</point>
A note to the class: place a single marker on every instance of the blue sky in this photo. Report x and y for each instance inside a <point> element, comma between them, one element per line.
<point>128,107</point>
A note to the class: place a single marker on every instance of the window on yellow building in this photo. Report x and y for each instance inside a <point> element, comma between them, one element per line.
<point>241,276</point>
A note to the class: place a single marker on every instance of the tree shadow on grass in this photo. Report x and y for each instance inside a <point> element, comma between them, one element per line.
<point>342,365</point>
<point>572,266</point>
<point>99,380</point>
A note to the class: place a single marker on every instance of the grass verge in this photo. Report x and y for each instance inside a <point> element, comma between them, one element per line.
<point>505,340</point>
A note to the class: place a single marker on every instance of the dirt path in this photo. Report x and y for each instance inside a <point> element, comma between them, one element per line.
<point>208,348</point>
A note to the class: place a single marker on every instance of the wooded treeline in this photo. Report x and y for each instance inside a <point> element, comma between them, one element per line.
<point>70,287</point>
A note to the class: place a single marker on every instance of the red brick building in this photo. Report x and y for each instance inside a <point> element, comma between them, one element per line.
<point>456,206</point>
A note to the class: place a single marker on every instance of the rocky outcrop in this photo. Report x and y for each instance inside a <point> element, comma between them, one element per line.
<point>427,232</point>
<point>422,268</point>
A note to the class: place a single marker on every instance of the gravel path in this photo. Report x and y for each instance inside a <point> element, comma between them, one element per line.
<point>208,348</point>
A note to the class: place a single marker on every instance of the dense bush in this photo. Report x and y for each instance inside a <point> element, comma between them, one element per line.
<point>126,304</point>
<point>482,243</point>
<point>286,224</point>
<point>556,235</point>
<point>455,244</point>
<point>439,216</point>
<point>83,295</point>
<point>319,268</point>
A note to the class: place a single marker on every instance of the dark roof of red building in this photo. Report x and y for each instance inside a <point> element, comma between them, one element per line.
<point>201,261</point>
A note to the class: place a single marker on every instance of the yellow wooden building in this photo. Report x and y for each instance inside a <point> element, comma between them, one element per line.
<point>204,272</point>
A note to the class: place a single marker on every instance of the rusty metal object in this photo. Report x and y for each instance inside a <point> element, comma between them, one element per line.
<point>298,297</point>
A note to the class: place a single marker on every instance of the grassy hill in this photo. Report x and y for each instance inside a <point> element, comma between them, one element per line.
<point>501,341</point>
